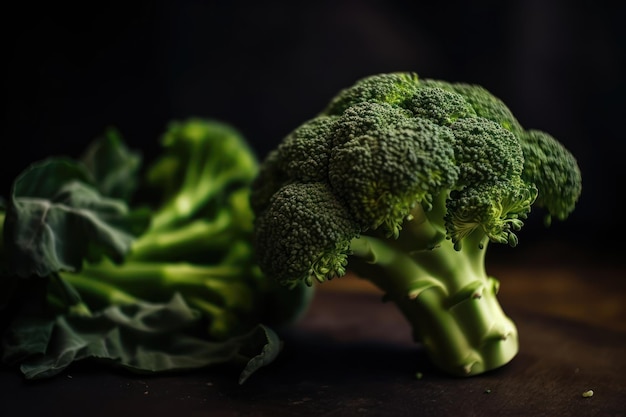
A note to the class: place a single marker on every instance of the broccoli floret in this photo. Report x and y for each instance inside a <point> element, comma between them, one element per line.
<point>482,102</point>
<point>394,88</point>
<point>318,251</point>
<point>307,150</point>
<point>412,159</point>
<point>555,172</point>
<point>485,152</point>
<point>496,209</point>
<point>405,182</point>
<point>442,106</point>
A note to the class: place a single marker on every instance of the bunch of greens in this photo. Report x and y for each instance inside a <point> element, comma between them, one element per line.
<point>148,268</point>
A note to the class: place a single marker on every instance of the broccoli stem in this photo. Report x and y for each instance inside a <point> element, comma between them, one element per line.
<point>180,207</point>
<point>217,292</point>
<point>447,297</point>
<point>199,235</point>
<point>221,285</point>
<point>196,190</point>
<point>102,292</point>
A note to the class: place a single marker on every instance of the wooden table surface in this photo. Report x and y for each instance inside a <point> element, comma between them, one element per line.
<point>352,355</point>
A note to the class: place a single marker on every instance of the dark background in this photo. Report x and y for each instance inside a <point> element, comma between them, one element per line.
<point>265,67</point>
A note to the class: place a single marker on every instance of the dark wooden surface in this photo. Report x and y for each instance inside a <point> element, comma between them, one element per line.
<point>352,355</point>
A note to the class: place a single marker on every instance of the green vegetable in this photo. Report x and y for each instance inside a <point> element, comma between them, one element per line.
<point>150,270</point>
<point>405,182</point>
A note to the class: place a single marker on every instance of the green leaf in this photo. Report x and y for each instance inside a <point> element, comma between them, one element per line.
<point>27,337</point>
<point>261,346</point>
<point>112,165</point>
<point>142,337</point>
<point>43,179</point>
<point>56,219</point>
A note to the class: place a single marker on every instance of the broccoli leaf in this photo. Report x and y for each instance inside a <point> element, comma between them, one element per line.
<point>112,165</point>
<point>259,348</point>
<point>56,219</point>
<point>143,337</point>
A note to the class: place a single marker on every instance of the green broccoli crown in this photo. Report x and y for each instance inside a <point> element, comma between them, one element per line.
<point>409,180</point>
<point>391,143</point>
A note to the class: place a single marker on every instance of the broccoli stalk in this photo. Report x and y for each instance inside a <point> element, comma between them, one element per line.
<point>198,236</point>
<point>406,182</point>
<point>448,299</point>
<point>216,292</point>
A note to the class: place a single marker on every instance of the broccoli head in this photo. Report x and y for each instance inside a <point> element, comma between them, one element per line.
<point>405,181</point>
